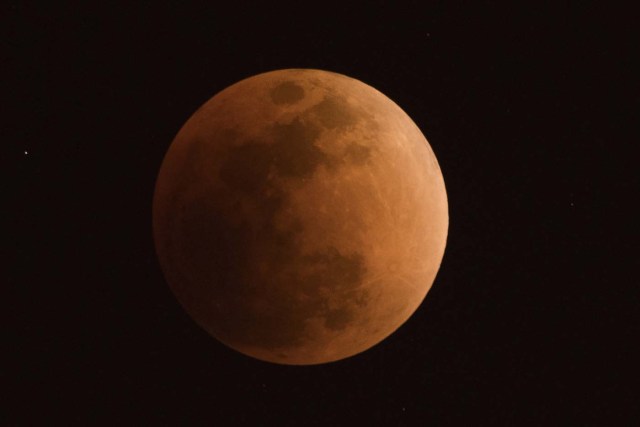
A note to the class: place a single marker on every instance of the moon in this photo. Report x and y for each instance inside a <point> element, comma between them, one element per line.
<point>300,216</point>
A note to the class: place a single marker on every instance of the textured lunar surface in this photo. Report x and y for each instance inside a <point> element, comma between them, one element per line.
<point>300,216</point>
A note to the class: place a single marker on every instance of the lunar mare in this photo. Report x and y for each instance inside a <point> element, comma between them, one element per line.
<point>300,216</point>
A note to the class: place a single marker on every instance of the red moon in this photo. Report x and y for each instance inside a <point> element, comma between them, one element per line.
<point>300,216</point>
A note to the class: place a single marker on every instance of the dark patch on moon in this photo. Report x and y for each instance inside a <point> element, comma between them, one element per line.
<point>270,308</point>
<point>341,276</point>
<point>338,319</point>
<point>286,93</point>
<point>272,311</point>
<point>334,112</point>
<point>247,167</point>
<point>294,153</point>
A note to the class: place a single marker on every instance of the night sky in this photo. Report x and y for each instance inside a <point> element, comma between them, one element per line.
<point>533,317</point>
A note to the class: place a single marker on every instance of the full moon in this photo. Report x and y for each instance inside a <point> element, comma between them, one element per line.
<point>300,216</point>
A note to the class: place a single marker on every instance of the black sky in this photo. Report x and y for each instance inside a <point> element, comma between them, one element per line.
<point>533,317</point>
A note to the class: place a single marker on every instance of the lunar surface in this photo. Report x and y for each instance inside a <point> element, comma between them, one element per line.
<point>300,216</point>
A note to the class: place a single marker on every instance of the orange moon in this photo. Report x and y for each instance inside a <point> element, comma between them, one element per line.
<point>300,216</point>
